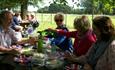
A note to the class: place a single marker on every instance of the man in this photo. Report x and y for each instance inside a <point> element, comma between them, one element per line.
<point>59,40</point>
<point>8,41</point>
<point>16,23</point>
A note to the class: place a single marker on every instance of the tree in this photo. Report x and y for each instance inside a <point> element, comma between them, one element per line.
<point>99,6</point>
<point>23,3</point>
<point>59,6</point>
<point>87,4</point>
<point>64,2</point>
<point>54,8</point>
<point>7,4</point>
<point>43,10</point>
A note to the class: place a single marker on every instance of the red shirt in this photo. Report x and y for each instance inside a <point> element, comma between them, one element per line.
<point>80,46</point>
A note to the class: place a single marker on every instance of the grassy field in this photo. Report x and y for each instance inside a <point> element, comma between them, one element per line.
<point>47,20</point>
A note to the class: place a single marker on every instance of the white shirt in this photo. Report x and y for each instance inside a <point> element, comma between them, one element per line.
<point>7,38</point>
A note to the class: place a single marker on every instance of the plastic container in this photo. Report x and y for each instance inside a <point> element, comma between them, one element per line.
<point>30,29</point>
<point>40,43</point>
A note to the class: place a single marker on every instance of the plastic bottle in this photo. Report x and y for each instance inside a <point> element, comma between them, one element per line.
<point>18,35</point>
<point>30,29</point>
<point>50,33</point>
<point>53,48</point>
<point>40,44</point>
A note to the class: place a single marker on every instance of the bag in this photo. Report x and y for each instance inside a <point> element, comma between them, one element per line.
<point>35,24</point>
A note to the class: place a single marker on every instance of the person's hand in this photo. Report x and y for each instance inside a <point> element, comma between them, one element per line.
<point>13,46</point>
<point>70,57</point>
<point>13,51</point>
<point>32,40</point>
<point>87,67</point>
<point>19,47</point>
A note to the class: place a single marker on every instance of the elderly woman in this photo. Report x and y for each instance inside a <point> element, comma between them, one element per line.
<point>84,36</point>
<point>101,56</point>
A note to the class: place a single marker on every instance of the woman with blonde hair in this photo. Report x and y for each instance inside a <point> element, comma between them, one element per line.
<point>84,36</point>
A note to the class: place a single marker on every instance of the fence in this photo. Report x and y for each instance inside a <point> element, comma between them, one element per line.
<point>45,18</point>
<point>49,18</point>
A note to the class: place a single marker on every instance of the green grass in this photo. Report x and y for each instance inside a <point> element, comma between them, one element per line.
<point>47,20</point>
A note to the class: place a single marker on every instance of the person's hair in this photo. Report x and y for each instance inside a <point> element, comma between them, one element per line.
<point>32,14</point>
<point>3,16</point>
<point>17,14</point>
<point>59,15</point>
<point>83,23</point>
<point>105,26</point>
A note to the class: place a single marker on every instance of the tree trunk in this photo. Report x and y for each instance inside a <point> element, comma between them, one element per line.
<point>113,7</point>
<point>24,7</point>
<point>92,10</point>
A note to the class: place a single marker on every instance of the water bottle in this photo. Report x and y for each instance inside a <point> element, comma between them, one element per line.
<point>30,29</point>
<point>18,35</point>
<point>53,48</point>
<point>40,44</point>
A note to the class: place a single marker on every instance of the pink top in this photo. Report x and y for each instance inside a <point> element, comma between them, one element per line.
<point>82,45</point>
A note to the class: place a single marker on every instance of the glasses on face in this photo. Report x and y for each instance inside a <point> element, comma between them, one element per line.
<point>58,20</point>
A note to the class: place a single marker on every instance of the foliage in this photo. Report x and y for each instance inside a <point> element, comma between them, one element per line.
<point>59,6</point>
<point>64,2</point>
<point>78,11</point>
<point>43,10</point>
<point>53,8</point>
<point>15,3</point>
<point>99,6</point>
<point>87,4</point>
<point>7,4</point>
<point>90,6</point>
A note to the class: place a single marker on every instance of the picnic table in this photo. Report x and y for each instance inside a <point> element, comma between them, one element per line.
<point>24,23</point>
<point>41,61</point>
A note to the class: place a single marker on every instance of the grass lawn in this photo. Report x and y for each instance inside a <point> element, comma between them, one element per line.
<point>47,20</point>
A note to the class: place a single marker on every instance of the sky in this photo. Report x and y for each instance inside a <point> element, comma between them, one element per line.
<point>48,2</point>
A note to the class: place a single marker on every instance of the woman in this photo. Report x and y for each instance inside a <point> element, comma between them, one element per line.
<point>84,36</point>
<point>63,42</point>
<point>102,55</point>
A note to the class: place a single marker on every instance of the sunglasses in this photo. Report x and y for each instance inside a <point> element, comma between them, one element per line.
<point>57,20</point>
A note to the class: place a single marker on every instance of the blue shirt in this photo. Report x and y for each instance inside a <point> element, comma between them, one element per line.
<point>62,41</point>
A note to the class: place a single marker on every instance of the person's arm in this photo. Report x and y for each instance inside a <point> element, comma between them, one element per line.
<point>13,25</point>
<point>15,20</point>
<point>65,33</point>
<point>76,60</point>
<point>9,50</point>
<point>81,59</point>
<point>30,41</point>
<point>3,49</point>
<point>111,57</point>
